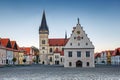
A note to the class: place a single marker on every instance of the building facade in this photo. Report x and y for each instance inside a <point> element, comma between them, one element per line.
<point>50,47</point>
<point>104,57</point>
<point>79,50</point>
<point>2,55</point>
<point>56,50</point>
<point>15,51</point>
<point>115,58</point>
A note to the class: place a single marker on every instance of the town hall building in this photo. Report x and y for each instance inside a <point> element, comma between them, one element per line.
<point>76,51</point>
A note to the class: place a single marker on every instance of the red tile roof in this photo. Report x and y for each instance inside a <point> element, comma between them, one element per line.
<point>4,41</point>
<point>96,55</point>
<point>58,42</point>
<point>26,49</point>
<point>116,52</point>
<point>13,43</point>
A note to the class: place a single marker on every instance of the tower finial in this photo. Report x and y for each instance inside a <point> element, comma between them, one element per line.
<point>78,21</point>
<point>65,34</point>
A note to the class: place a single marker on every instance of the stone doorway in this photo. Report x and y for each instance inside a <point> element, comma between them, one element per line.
<point>79,63</point>
<point>43,62</point>
<point>57,62</point>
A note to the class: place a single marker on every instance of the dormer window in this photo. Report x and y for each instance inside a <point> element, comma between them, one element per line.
<point>86,43</point>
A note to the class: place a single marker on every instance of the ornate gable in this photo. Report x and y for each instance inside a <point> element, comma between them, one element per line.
<point>79,39</point>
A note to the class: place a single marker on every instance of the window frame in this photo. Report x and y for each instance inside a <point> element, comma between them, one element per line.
<point>43,41</point>
<point>51,50</point>
<point>69,53</point>
<point>87,53</point>
<point>78,53</point>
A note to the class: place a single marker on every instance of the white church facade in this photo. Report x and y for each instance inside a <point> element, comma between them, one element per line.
<point>76,51</point>
<point>79,50</point>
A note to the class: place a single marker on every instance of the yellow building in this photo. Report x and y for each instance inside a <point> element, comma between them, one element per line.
<point>109,54</point>
<point>21,56</point>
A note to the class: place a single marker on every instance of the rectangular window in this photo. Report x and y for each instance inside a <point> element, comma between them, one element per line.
<point>56,56</point>
<point>61,60</point>
<point>70,63</point>
<point>70,54</point>
<point>87,53</point>
<point>62,49</point>
<point>50,49</point>
<point>50,59</point>
<point>78,53</point>
<point>43,41</point>
<point>43,47</point>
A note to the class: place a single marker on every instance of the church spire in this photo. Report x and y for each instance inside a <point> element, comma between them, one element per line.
<point>43,27</point>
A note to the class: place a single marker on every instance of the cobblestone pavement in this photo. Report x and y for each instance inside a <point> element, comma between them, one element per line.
<point>47,72</point>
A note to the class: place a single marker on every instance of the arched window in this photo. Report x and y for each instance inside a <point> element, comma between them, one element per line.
<point>88,63</point>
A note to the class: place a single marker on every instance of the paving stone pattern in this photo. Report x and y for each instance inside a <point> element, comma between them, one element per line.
<point>47,72</point>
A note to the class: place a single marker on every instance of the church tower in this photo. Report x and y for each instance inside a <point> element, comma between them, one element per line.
<point>43,40</point>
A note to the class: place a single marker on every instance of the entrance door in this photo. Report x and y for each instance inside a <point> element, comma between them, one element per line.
<point>43,62</point>
<point>57,62</point>
<point>79,63</point>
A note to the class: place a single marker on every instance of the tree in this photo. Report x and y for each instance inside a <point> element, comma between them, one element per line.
<point>34,60</point>
<point>24,60</point>
<point>14,60</point>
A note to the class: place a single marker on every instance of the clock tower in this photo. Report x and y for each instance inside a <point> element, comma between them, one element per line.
<point>43,40</point>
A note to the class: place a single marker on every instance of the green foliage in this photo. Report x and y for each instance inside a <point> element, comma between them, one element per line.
<point>14,59</point>
<point>24,60</point>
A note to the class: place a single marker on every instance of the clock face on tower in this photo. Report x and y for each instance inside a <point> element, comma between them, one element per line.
<point>78,32</point>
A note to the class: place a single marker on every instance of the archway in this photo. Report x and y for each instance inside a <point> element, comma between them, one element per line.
<point>43,62</point>
<point>79,63</point>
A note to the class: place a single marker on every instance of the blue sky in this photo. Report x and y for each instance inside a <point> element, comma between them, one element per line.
<point>20,20</point>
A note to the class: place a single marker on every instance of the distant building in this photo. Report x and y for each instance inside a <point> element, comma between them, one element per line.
<point>2,54</point>
<point>56,50</point>
<point>104,57</point>
<point>16,51</point>
<point>115,59</point>
<point>21,56</point>
<point>9,51</point>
